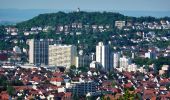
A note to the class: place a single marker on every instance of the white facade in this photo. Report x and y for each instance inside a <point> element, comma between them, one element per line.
<point>120,24</point>
<point>62,55</point>
<point>124,62</point>
<point>17,49</point>
<point>93,64</point>
<point>150,54</point>
<point>116,57</point>
<point>132,68</point>
<point>38,51</point>
<point>83,61</point>
<point>31,51</point>
<point>102,56</point>
<point>55,83</point>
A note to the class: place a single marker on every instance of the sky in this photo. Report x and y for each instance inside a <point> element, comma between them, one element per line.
<point>106,5</point>
<point>21,10</point>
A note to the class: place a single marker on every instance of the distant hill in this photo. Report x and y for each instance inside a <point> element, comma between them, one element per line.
<point>19,15</point>
<point>62,18</point>
<point>72,17</point>
<point>7,23</point>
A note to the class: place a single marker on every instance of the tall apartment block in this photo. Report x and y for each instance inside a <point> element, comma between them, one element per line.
<point>62,55</point>
<point>38,51</point>
<point>82,88</point>
<point>124,62</point>
<point>116,57</point>
<point>83,60</point>
<point>103,56</point>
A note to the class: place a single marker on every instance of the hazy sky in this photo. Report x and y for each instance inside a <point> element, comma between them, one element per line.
<point>142,5</point>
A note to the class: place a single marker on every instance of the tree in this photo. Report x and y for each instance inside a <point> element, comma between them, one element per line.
<point>10,90</point>
<point>128,96</point>
<point>72,67</point>
<point>113,83</point>
<point>16,83</point>
<point>108,98</point>
<point>75,96</point>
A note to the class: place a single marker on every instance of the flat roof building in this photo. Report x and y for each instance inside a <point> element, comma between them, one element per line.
<point>62,55</point>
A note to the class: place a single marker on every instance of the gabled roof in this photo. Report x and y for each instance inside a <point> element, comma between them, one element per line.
<point>56,79</point>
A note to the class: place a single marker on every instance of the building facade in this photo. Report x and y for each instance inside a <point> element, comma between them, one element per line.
<point>150,54</point>
<point>38,51</point>
<point>103,56</point>
<point>82,88</point>
<point>124,62</point>
<point>120,24</point>
<point>116,58</point>
<point>62,55</point>
<point>83,60</point>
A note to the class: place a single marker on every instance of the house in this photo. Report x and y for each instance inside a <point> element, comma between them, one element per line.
<point>149,95</point>
<point>4,95</point>
<point>56,81</point>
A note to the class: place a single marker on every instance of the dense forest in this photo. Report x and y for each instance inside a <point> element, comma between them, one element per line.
<point>62,18</point>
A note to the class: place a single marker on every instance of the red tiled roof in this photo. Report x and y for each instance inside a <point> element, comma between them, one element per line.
<point>67,94</point>
<point>4,95</point>
<point>22,87</point>
<point>128,75</point>
<point>115,90</point>
<point>57,74</point>
<point>36,79</point>
<point>164,81</point>
<point>128,85</point>
<point>150,93</point>
<point>57,79</point>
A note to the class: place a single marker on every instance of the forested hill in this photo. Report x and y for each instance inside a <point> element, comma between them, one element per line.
<point>68,18</point>
<point>61,18</point>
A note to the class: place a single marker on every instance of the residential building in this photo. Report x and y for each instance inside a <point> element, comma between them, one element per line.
<point>83,60</point>
<point>62,55</point>
<point>17,50</point>
<point>132,68</point>
<point>116,57</point>
<point>93,56</point>
<point>120,24</point>
<point>38,51</point>
<point>150,54</point>
<point>94,64</point>
<point>82,88</point>
<point>124,62</point>
<point>103,56</point>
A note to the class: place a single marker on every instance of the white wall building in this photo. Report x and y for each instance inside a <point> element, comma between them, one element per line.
<point>150,54</point>
<point>94,64</point>
<point>124,62</point>
<point>116,58</point>
<point>83,60</point>
<point>62,55</point>
<point>132,68</point>
<point>38,51</point>
<point>103,56</point>
<point>17,49</point>
<point>120,24</point>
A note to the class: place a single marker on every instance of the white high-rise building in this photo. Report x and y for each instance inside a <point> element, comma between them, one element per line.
<point>124,62</point>
<point>150,54</point>
<point>38,50</point>
<point>103,56</point>
<point>83,60</point>
<point>116,57</point>
<point>62,55</point>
